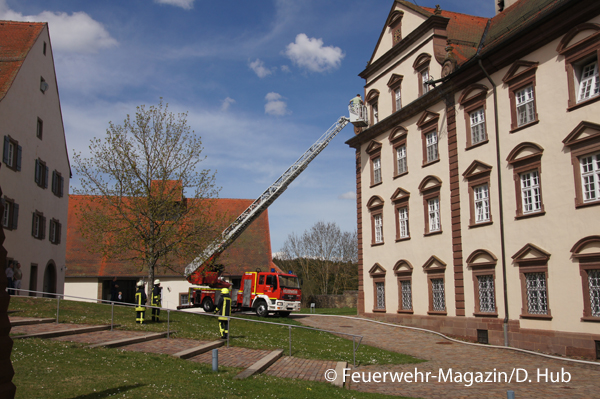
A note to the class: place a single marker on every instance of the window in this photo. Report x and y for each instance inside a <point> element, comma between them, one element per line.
<point>12,153</point>
<point>184,298</point>
<point>375,206</point>
<point>10,217</point>
<point>428,124</point>
<point>478,177</point>
<point>433,206</point>
<point>394,22</point>
<point>525,106</point>
<point>40,129</point>
<point>374,151</point>
<point>478,133</point>
<point>533,271</point>
<point>483,264</point>
<point>378,223</point>
<point>394,85</point>
<point>435,269</point>
<point>421,66</point>
<point>58,183</point>
<point>587,253</point>
<point>38,226</point>
<point>590,177</point>
<point>44,48</point>
<point>377,274</point>
<point>530,192</point>
<point>430,190</point>
<point>398,140</point>
<point>43,85</point>
<point>376,170</point>
<point>520,79</point>
<point>403,271</point>
<point>525,159</point>
<point>473,100</point>
<point>372,99</point>
<point>55,231</point>
<point>41,173</point>
<point>403,222</point>
<point>432,146</point>
<point>584,145</point>
<point>482,203</point>
<point>581,63</point>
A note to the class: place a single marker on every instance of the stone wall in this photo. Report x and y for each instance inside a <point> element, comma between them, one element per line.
<point>347,300</point>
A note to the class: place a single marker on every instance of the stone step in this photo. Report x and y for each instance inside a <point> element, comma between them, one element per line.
<point>260,365</point>
<point>186,354</point>
<point>129,341</point>
<point>30,321</point>
<point>61,333</point>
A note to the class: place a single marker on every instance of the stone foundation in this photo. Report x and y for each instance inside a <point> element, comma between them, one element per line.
<point>347,300</point>
<point>579,345</point>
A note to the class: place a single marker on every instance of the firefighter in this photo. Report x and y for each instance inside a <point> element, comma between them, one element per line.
<point>156,300</point>
<point>224,310</point>
<point>140,301</point>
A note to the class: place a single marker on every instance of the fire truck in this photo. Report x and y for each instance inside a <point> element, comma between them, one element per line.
<point>263,292</point>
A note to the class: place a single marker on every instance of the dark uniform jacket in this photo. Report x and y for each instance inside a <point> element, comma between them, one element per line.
<point>224,306</point>
<point>140,294</point>
<point>156,299</point>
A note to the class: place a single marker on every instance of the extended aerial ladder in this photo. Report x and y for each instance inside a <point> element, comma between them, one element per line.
<point>202,270</point>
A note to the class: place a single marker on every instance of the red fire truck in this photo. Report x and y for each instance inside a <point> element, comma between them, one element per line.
<point>262,292</point>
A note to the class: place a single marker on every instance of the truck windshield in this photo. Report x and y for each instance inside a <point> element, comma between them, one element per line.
<point>289,282</point>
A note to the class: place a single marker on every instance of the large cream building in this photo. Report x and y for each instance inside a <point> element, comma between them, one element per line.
<point>35,168</point>
<point>478,175</point>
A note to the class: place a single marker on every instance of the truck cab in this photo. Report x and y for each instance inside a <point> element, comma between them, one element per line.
<point>270,292</point>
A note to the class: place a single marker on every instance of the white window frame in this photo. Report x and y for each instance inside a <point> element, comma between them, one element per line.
<point>486,290</point>
<point>478,133</point>
<point>433,206</point>
<point>401,162</point>
<point>425,79</point>
<point>375,112</point>
<point>481,198</point>
<point>531,194</point>
<point>594,291</point>
<point>403,222</point>
<point>378,226</point>
<point>438,292</point>
<point>525,105</point>
<point>377,170</point>
<point>406,287</point>
<point>537,293</point>
<point>380,296</point>
<point>589,81</point>
<point>398,98</point>
<point>431,140</point>
<point>590,177</point>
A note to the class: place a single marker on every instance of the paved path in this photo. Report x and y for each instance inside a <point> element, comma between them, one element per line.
<point>443,354</point>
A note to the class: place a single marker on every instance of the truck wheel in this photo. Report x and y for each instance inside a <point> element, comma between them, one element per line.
<point>284,314</point>
<point>207,305</point>
<point>262,309</point>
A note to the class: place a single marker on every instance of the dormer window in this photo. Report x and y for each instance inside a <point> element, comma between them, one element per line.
<point>421,66</point>
<point>372,99</point>
<point>394,22</point>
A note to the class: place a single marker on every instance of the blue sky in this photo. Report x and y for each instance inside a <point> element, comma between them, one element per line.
<point>260,80</point>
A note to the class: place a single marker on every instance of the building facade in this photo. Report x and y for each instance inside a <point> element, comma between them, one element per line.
<point>89,274</point>
<point>35,168</point>
<point>478,175</point>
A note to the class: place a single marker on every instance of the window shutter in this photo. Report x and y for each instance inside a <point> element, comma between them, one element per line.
<point>54,182</point>
<point>43,227</point>
<point>33,225</point>
<point>19,151</point>
<point>37,171</point>
<point>62,185</point>
<point>5,153</point>
<point>15,216</point>
<point>46,177</point>
<point>57,239</point>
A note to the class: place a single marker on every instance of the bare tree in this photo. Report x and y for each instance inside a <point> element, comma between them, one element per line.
<point>136,177</point>
<point>324,256</point>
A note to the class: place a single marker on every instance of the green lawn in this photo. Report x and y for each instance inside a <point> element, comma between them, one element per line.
<point>50,369</point>
<point>305,343</point>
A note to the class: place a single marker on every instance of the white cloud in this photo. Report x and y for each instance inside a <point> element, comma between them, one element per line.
<point>350,195</point>
<point>77,32</point>
<point>275,105</point>
<point>185,4</point>
<point>259,68</point>
<point>285,68</point>
<point>226,103</point>
<point>309,53</point>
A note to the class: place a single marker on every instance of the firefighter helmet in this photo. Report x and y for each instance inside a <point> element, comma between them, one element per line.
<point>157,282</point>
<point>140,283</point>
<point>225,291</point>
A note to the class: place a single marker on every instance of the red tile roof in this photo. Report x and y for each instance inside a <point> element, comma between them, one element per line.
<point>250,251</point>
<point>16,39</point>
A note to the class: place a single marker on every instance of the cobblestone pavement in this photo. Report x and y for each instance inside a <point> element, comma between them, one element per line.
<point>306,369</point>
<point>444,355</point>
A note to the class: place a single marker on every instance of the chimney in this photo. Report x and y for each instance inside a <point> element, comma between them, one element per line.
<point>502,5</point>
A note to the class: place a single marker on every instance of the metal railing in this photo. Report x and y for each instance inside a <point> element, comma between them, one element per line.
<point>46,295</point>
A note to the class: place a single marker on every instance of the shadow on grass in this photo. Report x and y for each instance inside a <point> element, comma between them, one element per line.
<point>109,392</point>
